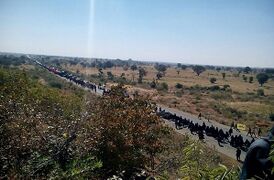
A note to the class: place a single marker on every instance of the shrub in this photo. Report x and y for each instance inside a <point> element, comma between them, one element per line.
<point>213,80</point>
<point>56,85</point>
<point>214,88</point>
<point>153,84</point>
<point>260,92</point>
<point>244,78</point>
<point>163,87</point>
<point>271,116</point>
<point>226,86</point>
<point>179,86</point>
<point>178,93</point>
<point>251,79</point>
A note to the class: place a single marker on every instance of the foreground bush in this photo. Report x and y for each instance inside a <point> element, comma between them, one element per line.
<point>46,133</point>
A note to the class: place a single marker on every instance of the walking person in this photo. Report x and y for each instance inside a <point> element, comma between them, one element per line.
<point>200,116</point>
<point>259,132</point>
<point>238,154</point>
<point>249,132</point>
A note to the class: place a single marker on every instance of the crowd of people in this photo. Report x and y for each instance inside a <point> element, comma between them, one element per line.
<point>219,134</point>
<point>73,78</point>
<point>222,136</point>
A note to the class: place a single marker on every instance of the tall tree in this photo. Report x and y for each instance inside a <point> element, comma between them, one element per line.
<point>262,78</point>
<point>142,73</point>
<point>198,69</point>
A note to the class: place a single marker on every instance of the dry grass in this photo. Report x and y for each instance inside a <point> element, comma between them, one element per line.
<point>188,78</point>
<point>195,103</point>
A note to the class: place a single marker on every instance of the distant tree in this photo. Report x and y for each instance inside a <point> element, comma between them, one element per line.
<point>247,70</point>
<point>183,67</point>
<point>179,86</point>
<point>251,79</point>
<point>133,67</point>
<point>107,64</point>
<point>213,80</point>
<point>160,68</point>
<point>262,78</point>
<point>125,67</point>
<point>223,74</point>
<point>218,69</point>
<point>179,65</point>
<point>198,69</point>
<point>269,71</point>
<point>159,75</point>
<point>142,73</point>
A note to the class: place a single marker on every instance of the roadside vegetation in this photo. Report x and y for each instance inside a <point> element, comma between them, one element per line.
<point>49,132</point>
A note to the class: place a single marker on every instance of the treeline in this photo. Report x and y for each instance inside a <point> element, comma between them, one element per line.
<point>8,60</point>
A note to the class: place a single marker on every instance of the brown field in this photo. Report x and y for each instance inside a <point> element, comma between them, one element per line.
<point>257,110</point>
<point>188,78</point>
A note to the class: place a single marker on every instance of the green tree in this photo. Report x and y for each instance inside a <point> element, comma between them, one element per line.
<point>141,74</point>
<point>198,69</point>
<point>160,67</point>
<point>247,70</point>
<point>262,78</point>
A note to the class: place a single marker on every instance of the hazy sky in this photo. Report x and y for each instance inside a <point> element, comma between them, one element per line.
<point>217,32</point>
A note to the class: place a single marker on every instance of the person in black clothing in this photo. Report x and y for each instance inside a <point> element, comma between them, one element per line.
<point>249,132</point>
<point>257,162</point>
<point>238,154</point>
<point>200,116</point>
<point>201,135</point>
<point>259,132</point>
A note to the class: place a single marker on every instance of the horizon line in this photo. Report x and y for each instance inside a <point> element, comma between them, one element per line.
<point>143,60</point>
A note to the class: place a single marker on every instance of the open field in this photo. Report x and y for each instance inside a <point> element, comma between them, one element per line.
<point>188,78</point>
<point>241,104</point>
